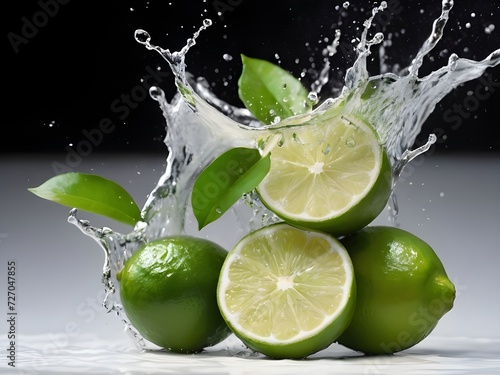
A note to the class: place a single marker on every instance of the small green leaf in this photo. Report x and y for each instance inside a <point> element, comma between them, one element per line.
<point>225,180</point>
<point>90,193</point>
<point>268,91</point>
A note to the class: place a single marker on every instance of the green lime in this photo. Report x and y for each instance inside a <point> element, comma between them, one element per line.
<point>168,292</point>
<point>331,175</point>
<point>402,290</point>
<point>286,292</point>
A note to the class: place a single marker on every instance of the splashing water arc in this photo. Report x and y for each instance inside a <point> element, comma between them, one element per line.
<point>200,126</point>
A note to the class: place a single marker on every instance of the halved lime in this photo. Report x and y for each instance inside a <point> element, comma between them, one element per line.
<point>287,292</point>
<point>331,175</point>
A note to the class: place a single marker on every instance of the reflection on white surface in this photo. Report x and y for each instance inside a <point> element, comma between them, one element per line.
<point>41,354</point>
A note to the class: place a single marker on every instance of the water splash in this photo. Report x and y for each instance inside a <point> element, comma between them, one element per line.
<point>175,59</point>
<point>200,126</point>
<point>117,249</point>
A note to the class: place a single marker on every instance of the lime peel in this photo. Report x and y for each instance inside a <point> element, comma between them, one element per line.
<point>400,279</point>
<point>167,289</point>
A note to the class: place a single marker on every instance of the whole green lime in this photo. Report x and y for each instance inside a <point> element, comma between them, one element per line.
<point>402,290</point>
<point>168,291</point>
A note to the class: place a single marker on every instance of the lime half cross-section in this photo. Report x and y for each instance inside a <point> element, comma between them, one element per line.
<point>287,292</point>
<point>331,175</point>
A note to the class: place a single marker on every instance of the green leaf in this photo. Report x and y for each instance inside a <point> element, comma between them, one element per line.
<point>225,180</point>
<point>268,91</point>
<point>90,193</point>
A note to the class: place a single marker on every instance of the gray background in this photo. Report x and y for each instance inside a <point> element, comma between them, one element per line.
<point>451,202</point>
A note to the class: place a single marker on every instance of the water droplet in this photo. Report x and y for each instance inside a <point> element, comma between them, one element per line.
<point>378,38</point>
<point>218,210</point>
<point>276,120</point>
<point>447,5</point>
<point>350,142</point>
<point>346,5</point>
<point>227,57</point>
<point>313,98</point>
<point>441,194</point>
<point>142,36</point>
<point>489,29</point>
<point>327,149</point>
<point>281,141</point>
<point>155,92</point>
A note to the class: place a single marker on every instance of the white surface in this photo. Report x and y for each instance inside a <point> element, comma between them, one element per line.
<point>90,355</point>
<point>452,202</point>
